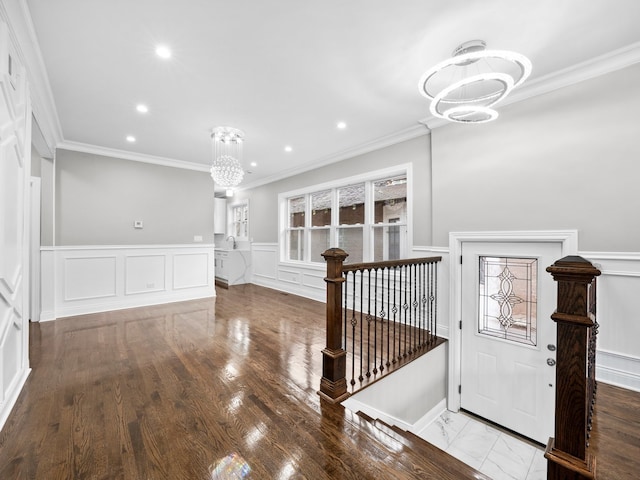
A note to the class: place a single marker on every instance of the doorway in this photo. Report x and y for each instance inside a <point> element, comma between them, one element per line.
<point>502,341</point>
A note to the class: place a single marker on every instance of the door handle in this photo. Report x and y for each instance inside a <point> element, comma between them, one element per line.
<point>551,347</point>
<point>551,362</point>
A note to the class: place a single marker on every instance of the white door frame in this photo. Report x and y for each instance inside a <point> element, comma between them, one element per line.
<point>569,246</point>
<point>34,249</point>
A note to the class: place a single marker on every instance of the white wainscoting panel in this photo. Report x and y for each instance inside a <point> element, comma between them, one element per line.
<point>191,270</point>
<point>618,348</point>
<point>314,280</point>
<point>47,284</point>
<point>144,273</point>
<point>90,279</point>
<point>299,279</point>
<point>265,261</point>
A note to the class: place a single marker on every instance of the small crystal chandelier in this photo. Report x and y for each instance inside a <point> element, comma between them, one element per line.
<point>465,87</point>
<point>226,169</point>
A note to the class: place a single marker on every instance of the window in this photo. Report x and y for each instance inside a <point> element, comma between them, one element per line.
<point>295,230</point>
<point>366,217</point>
<point>239,223</point>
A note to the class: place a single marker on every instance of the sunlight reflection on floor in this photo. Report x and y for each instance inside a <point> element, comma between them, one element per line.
<point>231,467</point>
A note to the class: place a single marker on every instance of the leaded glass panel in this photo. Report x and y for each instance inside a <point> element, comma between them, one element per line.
<point>508,299</point>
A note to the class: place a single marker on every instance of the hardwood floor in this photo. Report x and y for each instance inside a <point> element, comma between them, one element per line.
<point>616,433</point>
<point>174,391</point>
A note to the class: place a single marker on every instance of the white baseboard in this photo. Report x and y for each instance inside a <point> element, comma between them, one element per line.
<point>617,369</point>
<point>10,401</point>
<point>429,417</point>
<point>121,304</point>
<point>47,315</point>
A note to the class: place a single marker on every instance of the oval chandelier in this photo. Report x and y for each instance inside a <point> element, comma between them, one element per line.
<point>465,87</point>
<point>226,169</point>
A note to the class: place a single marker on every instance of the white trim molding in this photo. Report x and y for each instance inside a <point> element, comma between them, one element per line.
<point>22,31</point>
<point>618,369</point>
<point>136,157</point>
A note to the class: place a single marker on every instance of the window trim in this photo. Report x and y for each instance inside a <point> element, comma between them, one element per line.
<point>283,217</point>
<point>231,218</point>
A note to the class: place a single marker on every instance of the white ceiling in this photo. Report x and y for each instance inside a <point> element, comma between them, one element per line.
<point>286,71</point>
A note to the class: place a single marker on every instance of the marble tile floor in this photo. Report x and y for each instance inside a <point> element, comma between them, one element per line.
<point>480,445</point>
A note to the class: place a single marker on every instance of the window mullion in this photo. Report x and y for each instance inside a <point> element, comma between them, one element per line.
<point>306,234</point>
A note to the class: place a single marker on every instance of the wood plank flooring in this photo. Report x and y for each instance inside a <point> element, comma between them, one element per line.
<point>174,391</point>
<point>616,433</point>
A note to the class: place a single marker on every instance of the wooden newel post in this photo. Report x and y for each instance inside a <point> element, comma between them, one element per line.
<point>333,385</point>
<point>566,453</point>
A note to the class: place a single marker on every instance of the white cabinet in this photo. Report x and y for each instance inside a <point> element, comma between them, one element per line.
<point>219,215</point>
<point>233,267</point>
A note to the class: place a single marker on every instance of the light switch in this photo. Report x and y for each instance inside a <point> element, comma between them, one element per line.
<point>137,224</point>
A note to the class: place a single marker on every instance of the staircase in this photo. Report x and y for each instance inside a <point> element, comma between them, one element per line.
<point>426,460</point>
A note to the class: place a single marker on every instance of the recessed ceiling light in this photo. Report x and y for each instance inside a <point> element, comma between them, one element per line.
<point>131,138</point>
<point>288,148</point>
<point>163,51</point>
<point>341,125</point>
<point>254,164</point>
<point>142,108</point>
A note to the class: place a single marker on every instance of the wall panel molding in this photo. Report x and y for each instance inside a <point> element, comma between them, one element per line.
<point>89,279</point>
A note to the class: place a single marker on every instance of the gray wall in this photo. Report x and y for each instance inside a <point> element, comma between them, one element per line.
<point>43,168</point>
<point>98,198</point>
<point>565,160</point>
<point>263,204</point>
<point>35,162</point>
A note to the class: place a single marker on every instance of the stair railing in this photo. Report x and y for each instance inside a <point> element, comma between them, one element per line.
<point>567,454</point>
<point>380,316</point>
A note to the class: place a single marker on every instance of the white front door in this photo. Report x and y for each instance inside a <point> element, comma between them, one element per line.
<point>508,335</point>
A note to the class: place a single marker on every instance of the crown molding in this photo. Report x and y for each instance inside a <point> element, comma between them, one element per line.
<point>595,67</point>
<point>126,155</point>
<point>414,131</point>
<point>22,33</point>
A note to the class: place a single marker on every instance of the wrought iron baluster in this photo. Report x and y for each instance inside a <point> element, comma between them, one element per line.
<point>369,324</point>
<point>383,315</point>
<point>435,302</point>
<point>375,331</point>
<point>361,326</point>
<point>354,322</point>
<point>345,290</point>
<point>382,365</point>
<point>405,307</point>
<point>394,310</point>
<point>416,322</point>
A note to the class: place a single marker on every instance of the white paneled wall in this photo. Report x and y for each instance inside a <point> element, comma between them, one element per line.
<point>304,280</point>
<point>79,280</point>
<point>15,161</point>
<point>618,313</point>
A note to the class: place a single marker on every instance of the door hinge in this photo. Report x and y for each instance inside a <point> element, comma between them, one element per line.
<point>459,388</point>
<point>460,325</point>
<point>460,259</point>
